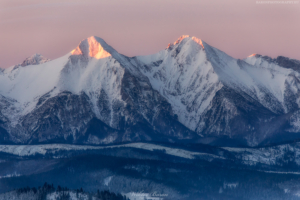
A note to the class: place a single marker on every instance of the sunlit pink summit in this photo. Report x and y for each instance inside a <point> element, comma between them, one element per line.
<point>197,40</point>
<point>93,47</point>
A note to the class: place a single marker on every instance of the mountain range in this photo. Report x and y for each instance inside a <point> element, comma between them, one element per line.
<point>189,92</point>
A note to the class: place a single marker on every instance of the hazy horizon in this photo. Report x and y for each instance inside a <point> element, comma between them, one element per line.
<point>133,27</point>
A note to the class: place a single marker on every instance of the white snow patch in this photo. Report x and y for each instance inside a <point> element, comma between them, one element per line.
<point>107,180</point>
<point>10,175</point>
<point>28,150</point>
<point>277,172</point>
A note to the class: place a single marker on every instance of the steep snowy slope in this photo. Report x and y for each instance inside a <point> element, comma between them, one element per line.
<point>183,75</point>
<point>281,76</point>
<point>93,94</point>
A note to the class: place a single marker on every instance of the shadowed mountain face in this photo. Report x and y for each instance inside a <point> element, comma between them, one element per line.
<point>189,92</point>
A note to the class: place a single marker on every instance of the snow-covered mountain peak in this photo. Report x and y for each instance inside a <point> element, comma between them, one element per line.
<point>180,39</point>
<point>185,77</point>
<point>256,59</point>
<point>285,62</point>
<point>252,55</point>
<point>93,47</point>
<point>199,41</point>
<point>256,55</point>
<point>185,39</point>
<point>35,59</point>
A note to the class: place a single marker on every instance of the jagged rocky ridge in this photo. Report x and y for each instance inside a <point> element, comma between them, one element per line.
<point>189,92</point>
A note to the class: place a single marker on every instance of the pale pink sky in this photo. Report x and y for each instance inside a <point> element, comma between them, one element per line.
<point>138,27</point>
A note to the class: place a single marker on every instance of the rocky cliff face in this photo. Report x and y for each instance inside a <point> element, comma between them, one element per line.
<point>189,92</point>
